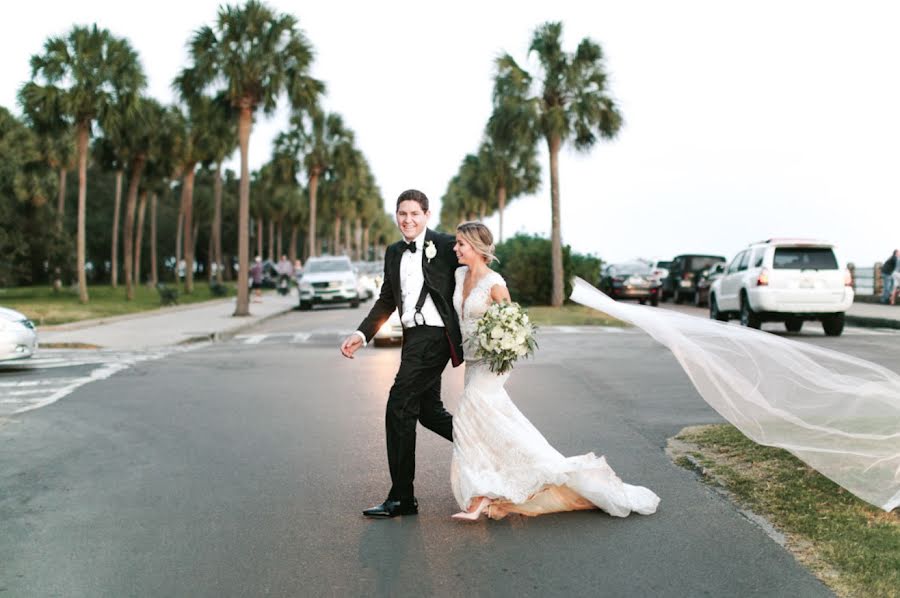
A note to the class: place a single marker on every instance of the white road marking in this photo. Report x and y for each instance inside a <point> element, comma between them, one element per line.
<point>26,395</point>
<point>255,339</point>
<point>301,337</point>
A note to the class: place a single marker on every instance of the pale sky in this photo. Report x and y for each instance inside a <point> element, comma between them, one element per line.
<point>743,121</point>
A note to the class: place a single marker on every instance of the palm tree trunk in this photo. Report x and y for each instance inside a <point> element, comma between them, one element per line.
<point>556,296</point>
<point>336,235</point>
<point>114,258</point>
<point>154,270</point>
<point>313,189</point>
<point>139,237</point>
<point>348,246</point>
<point>365,244</point>
<point>292,248</point>
<point>217,221</point>
<point>187,203</point>
<point>501,204</point>
<point>259,237</point>
<point>243,299</point>
<point>278,246</point>
<point>61,199</point>
<point>209,257</point>
<point>178,233</point>
<point>83,130</point>
<point>357,240</point>
<point>272,239</point>
<point>194,236</point>
<point>137,166</point>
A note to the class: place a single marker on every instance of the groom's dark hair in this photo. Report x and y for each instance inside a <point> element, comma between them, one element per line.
<point>413,195</point>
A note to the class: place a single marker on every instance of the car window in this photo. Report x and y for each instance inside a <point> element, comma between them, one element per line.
<point>701,263</point>
<point>733,266</point>
<point>745,259</point>
<point>804,258</point>
<point>758,254</point>
<point>328,266</point>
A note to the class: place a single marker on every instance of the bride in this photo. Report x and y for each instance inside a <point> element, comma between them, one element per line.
<point>501,462</point>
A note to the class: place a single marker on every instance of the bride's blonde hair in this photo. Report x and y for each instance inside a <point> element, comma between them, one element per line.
<point>479,237</point>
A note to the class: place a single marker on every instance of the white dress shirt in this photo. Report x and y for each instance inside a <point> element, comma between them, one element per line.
<point>411,280</point>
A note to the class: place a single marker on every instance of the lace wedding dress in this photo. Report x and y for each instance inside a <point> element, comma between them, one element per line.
<point>499,454</point>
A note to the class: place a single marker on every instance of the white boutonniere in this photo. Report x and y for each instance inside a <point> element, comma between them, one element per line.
<point>430,250</point>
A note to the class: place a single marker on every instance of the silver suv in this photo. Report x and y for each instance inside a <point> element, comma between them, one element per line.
<point>328,279</point>
<point>784,280</point>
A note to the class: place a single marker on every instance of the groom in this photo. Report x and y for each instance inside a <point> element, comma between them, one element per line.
<point>419,280</point>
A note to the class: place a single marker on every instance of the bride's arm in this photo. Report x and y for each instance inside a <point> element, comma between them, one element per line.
<point>500,294</point>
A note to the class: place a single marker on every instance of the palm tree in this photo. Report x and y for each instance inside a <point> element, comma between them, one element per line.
<point>84,73</point>
<point>320,134</point>
<point>509,152</point>
<point>571,103</point>
<point>253,54</point>
<point>142,141</point>
<point>107,152</point>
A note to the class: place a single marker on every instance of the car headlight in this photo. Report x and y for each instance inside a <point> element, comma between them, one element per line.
<point>350,282</point>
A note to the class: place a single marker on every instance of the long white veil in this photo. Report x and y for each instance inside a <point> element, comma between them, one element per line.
<point>837,413</point>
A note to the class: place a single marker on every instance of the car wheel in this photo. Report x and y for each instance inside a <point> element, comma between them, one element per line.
<point>714,313</point>
<point>793,324</point>
<point>642,301</point>
<point>654,301</point>
<point>833,325</point>
<point>698,299</point>
<point>749,318</point>
<point>678,297</point>
<point>305,306</point>
<point>354,303</point>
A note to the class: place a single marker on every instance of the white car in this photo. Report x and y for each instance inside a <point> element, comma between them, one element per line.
<point>18,339</point>
<point>784,280</point>
<point>328,279</point>
<point>391,332</point>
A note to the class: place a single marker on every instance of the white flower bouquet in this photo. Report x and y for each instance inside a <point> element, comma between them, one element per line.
<point>503,335</point>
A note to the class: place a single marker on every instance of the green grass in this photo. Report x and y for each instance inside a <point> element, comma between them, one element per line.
<point>570,315</point>
<point>46,307</point>
<point>852,546</point>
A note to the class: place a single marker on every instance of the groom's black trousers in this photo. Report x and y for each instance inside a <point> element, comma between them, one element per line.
<point>416,396</point>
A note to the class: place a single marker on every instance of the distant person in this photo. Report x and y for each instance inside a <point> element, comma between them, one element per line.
<point>887,275</point>
<point>285,270</point>
<point>256,279</point>
<point>895,279</point>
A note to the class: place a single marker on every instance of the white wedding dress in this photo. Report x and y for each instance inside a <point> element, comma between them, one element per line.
<point>499,454</point>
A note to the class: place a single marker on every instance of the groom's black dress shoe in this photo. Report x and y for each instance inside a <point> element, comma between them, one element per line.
<point>393,508</point>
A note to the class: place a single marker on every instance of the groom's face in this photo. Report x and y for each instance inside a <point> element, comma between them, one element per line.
<point>411,219</point>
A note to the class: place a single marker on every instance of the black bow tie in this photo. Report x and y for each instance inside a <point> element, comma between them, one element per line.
<point>411,247</point>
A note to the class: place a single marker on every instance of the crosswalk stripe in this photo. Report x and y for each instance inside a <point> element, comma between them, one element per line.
<point>255,339</point>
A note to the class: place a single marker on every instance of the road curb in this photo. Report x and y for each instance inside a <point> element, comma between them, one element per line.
<point>869,322</point>
<point>224,335</point>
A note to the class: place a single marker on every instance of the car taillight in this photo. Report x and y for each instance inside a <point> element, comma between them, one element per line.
<point>617,279</point>
<point>763,278</point>
<point>688,275</point>
<point>848,278</point>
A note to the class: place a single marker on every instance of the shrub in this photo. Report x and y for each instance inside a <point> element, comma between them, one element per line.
<point>526,266</point>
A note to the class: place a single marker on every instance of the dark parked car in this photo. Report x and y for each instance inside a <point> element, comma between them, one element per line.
<point>707,277</point>
<point>631,280</point>
<point>681,283</point>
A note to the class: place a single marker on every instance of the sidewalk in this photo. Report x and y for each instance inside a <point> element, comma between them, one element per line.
<point>167,326</point>
<point>873,315</point>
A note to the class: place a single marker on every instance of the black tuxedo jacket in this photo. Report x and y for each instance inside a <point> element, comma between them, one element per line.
<point>440,280</point>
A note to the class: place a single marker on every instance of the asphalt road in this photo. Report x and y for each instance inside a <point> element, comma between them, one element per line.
<point>241,468</point>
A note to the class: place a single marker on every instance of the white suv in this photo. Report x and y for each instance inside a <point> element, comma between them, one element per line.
<point>784,280</point>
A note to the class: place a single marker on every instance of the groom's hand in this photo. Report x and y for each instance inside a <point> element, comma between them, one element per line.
<point>350,345</point>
